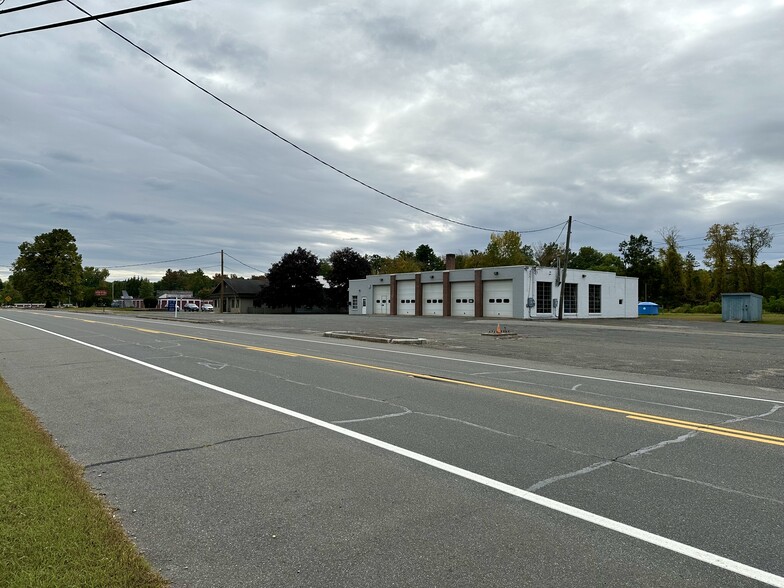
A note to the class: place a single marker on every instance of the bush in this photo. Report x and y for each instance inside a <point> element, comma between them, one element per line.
<point>773,304</point>
<point>150,302</point>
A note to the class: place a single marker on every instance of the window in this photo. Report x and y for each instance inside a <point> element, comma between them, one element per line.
<point>492,301</point>
<point>354,302</point>
<point>544,297</point>
<point>570,298</point>
<point>506,301</point>
<point>594,298</point>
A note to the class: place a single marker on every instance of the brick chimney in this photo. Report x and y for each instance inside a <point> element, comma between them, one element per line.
<point>450,261</point>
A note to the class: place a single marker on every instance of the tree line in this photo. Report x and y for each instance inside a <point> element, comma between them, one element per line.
<point>50,270</point>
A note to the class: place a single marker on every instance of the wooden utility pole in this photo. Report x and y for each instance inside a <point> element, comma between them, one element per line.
<point>223,280</point>
<point>565,265</point>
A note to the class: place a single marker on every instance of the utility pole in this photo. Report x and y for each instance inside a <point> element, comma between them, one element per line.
<point>223,279</point>
<point>565,265</point>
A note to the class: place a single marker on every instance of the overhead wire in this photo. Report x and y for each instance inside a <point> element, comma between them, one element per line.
<point>291,143</point>
<point>91,17</point>
<point>162,261</point>
<point>26,6</point>
<point>243,263</point>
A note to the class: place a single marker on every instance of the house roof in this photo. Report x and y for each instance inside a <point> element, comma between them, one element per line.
<point>240,287</point>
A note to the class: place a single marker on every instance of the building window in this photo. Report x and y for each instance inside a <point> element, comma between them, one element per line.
<point>354,302</point>
<point>570,298</point>
<point>594,298</point>
<point>544,297</point>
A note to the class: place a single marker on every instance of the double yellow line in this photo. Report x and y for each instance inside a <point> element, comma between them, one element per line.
<point>637,416</point>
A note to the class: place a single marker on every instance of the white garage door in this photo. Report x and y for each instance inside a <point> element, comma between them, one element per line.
<point>463,299</point>
<point>406,297</point>
<point>381,300</point>
<point>498,298</point>
<point>433,304</point>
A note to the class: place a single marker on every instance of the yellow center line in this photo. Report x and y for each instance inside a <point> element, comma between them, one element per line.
<point>638,416</point>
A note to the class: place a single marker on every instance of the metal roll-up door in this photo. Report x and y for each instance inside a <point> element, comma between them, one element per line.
<point>462,299</point>
<point>406,297</point>
<point>498,298</point>
<point>433,303</point>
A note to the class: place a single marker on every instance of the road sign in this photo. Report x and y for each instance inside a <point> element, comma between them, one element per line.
<point>101,292</point>
<point>8,299</point>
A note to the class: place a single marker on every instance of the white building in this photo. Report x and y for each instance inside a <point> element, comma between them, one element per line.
<point>518,291</point>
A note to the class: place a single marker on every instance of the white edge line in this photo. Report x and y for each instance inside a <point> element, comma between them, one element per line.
<point>457,359</point>
<point>578,513</point>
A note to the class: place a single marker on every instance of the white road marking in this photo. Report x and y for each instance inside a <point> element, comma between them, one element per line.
<point>578,513</point>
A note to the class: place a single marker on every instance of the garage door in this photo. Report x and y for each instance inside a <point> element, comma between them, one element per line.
<point>463,299</point>
<point>406,297</point>
<point>498,298</point>
<point>433,304</point>
<point>381,300</point>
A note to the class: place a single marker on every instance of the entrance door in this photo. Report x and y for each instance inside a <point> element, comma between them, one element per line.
<point>364,305</point>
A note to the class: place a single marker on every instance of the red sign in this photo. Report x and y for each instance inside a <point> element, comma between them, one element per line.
<point>101,292</point>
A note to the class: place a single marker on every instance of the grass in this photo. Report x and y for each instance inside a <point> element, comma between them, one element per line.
<point>768,318</point>
<point>54,531</point>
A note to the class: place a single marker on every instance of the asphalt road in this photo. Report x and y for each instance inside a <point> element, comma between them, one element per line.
<point>256,452</point>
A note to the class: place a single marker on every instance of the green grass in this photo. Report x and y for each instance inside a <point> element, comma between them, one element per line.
<point>54,531</point>
<point>768,318</point>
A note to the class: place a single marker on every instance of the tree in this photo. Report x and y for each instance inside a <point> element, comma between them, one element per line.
<point>751,242</point>
<point>474,258</point>
<point>405,262</point>
<point>718,255</point>
<point>639,261</point>
<point>548,254</point>
<point>507,249</point>
<point>587,258</point>
<point>200,284</point>
<point>49,269</point>
<point>93,278</point>
<point>344,265</point>
<point>428,260</point>
<point>671,269</point>
<point>173,280</point>
<point>293,281</point>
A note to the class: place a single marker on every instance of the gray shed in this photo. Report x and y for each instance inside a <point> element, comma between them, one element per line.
<point>743,307</point>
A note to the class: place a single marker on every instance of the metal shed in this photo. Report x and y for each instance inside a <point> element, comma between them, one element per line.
<point>743,307</point>
<point>647,308</point>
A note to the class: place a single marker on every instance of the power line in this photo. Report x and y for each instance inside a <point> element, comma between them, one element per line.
<point>287,141</point>
<point>243,263</point>
<point>26,6</point>
<point>91,17</point>
<point>162,261</point>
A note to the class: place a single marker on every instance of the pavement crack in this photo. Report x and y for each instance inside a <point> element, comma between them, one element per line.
<point>194,448</point>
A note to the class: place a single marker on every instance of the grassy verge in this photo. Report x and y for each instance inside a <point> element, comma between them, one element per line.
<point>54,531</point>
<point>768,318</point>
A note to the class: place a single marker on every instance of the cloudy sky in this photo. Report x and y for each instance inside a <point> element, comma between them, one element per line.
<point>629,116</point>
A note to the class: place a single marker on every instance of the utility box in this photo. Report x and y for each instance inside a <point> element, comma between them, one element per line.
<point>647,308</point>
<point>741,307</point>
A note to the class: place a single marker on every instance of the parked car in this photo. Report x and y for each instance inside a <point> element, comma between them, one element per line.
<point>190,306</point>
<point>207,307</point>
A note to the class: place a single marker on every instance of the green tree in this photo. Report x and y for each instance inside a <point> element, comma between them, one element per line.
<point>343,265</point>
<point>672,290</point>
<point>293,281</point>
<point>200,284</point>
<point>474,258</point>
<point>173,280</point>
<point>751,241</point>
<point>428,260</point>
<point>93,278</point>
<point>8,291</point>
<point>49,269</point>
<point>507,249</point>
<point>639,261</point>
<point>586,258</point>
<point>718,256</point>
<point>549,254</point>
<point>405,262</point>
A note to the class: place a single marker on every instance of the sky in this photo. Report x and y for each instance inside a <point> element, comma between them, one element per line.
<point>632,117</point>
